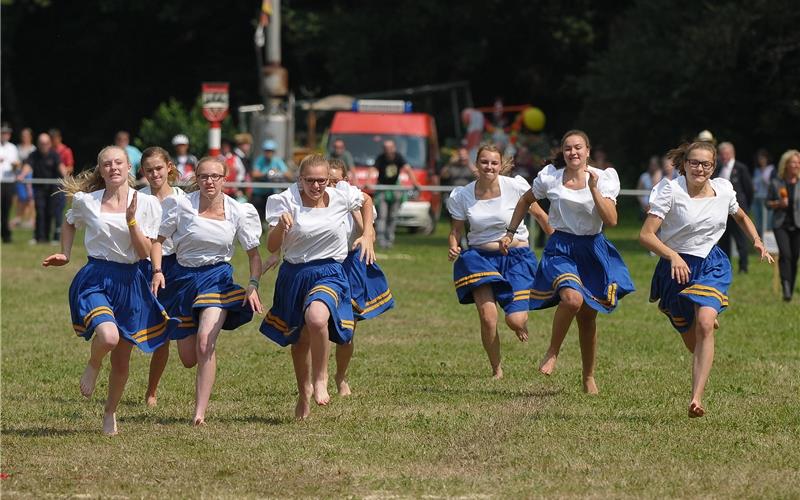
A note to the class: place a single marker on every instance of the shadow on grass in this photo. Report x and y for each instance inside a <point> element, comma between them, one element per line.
<point>45,432</point>
<point>508,393</point>
<point>250,419</point>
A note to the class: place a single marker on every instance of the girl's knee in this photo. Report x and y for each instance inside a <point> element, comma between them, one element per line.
<point>571,300</point>
<point>317,315</point>
<point>488,314</point>
<point>517,321</point>
<point>205,348</point>
<point>106,335</point>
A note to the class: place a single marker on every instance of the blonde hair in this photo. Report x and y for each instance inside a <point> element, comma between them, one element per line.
<point>90,180</point>
<point>337,164</point>
<point>785,157</point>
<point>156,151</point>
<point>678,155</point>
<point>193,185</point>
<point>313,160</point>
<point>506,162</point>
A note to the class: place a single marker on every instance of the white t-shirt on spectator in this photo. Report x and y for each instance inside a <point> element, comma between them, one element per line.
<point>8,156</point>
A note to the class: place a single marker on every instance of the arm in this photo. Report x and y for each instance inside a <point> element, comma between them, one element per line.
<point>747,226</point>
<point>410,173</point>
<point>141,243</point>
<point>541,218</point>
<point>647,238</point>
<point>62,169</point>
<point>367,238</point>
<point>67,237</point>
<point>456,230</point>
<point>522,207</point>
<point>277,232</point>
<point>26,169</point>
<point>606,207</point>
<point>157,281</point>
<point>251,295</point>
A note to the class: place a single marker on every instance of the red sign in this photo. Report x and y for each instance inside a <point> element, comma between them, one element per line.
<point>215,101</point>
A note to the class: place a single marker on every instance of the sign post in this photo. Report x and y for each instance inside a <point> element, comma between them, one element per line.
<point>215,109</point>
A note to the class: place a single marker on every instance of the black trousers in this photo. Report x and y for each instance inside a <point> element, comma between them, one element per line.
<point>46,206</point>
<point>788,254</point>
<point>734,232</point>
<point>6,197</point>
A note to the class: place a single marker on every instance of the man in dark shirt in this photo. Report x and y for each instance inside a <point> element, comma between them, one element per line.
<point>388,166</point>
<point>45,163</point>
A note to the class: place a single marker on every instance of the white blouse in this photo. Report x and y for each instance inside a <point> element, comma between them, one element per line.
<point>107,235</point>
<point>692,225</point>
<point>573,210</point>
<point>200,241</point>
<point>489,219</point>
<point>167,248</point>
<point>317,233</point>
<point>352,234</point>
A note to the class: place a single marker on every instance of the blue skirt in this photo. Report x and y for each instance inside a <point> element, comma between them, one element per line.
<point>296,287</point>
<point>369,290</point>
<point>511,276</point>
<point>110,291</point>
<point>190,289</point>
<point>167,261</point>
<point>587,263</point>
<point>708,286</point>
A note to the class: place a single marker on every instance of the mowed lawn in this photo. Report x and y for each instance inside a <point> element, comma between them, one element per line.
<point>425,418</point>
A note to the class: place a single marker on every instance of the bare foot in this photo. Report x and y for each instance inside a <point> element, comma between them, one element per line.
<point>522,335</point>
<point>321,395</point>
<point>716,325</point>
<point>589,386</point>
<point>199,422</point>
<point>150,400</point>
<point>548,364</point>
<point>696,410</point>
<point>342,386</point>
<point>110,424</point>
<point>88,380</point>
<point>497,373</point>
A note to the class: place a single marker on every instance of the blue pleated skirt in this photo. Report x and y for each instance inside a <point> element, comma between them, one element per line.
<point>511,276</point>
<point>296,287</point>
<point>587,263</point>
<point>167,261</point>
<point>111,291</point>
<point>369,290</point>
<point>708,286</point>
<point>190,289</point>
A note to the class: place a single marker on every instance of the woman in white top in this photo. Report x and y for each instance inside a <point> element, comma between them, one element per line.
<point>312,301</point>
<point>581,272</point>
<point>110,298</point>
<point>199,289</point>
<point>482,274</point>
<point>687,216</point>
<point>161,174</point>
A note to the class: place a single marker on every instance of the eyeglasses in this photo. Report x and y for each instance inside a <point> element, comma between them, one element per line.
<point>311,182</point>
<point>211,177</point>
<point>707,165</point>
<point>333,182</point>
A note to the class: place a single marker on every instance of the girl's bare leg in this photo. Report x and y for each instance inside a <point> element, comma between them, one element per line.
<point>344,353</point>
<point>316,317</point>
<point>587,333</point>
<point>487,312</point>
<point>106,338</point>
<point>120,364</point>
<point>211,320</point>
<point>568,307</point>
<point>301,360</point>
<point>703,357</point>
<point>157,365</point>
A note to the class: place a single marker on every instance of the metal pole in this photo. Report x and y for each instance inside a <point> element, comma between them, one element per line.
<point>274,34</point>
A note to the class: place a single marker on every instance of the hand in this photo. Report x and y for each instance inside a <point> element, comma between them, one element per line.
<point>57,260</point>
<point>367,254</point>
<point>522,335</point>
<point>593,178</point>
<point>251,297</point>
<point>272,262</point>
<point>505,242</point>
<point>285,222</point>
<point>130,212</point>
<point>453,253</point>
<point>759,245</point>
<point>679,270</point>
<point>157,283</point>
<point>783,202</point>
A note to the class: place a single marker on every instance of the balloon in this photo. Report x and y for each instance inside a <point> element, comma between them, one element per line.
<point>533,118</point>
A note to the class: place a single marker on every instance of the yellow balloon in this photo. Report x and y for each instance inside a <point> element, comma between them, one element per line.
<point>533,118</point>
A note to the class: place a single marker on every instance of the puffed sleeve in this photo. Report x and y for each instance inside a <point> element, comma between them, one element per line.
<point>77,214</point>
<point>733,203</point>
<point>353,195</point>
<point>609,184</point>
<point>277,204</point>
<point>543,181</point>
<point>661,197</point>
<point>148,215</point>
<point>521,186</point>
<point>248,226</point>
<point>455,204</point>
<point>169,217</point>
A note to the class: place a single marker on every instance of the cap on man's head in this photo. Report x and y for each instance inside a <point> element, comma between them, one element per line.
<point>179,140</point>
<point>6,128</point>
<point>269,145</point>
<point>705,136</point>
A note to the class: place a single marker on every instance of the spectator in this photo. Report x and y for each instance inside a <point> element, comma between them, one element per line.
<point>388,166</point>
<point>123,140</point>
<point>459,171</point>
<point>185,162</point>
<point>600,158</point>
<point>45,163</point>
<point>9,162</point>
<point>784,198</point>
<point>244,144</point>
<point>525,164</point>
<point>235,168</point>
<point>475,123</point>
<point>763,173</point>
<point>736,172</point>
<point>668,169</point>
<point>647,180</point>
<point>269,167</point>
<point>68,160</point>
<point>340,152</point>
<point>24,213</point>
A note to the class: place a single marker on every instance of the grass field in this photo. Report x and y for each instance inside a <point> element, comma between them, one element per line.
<point>425,418</point>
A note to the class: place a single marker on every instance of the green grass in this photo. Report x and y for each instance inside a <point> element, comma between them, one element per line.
<point>425,419</point>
